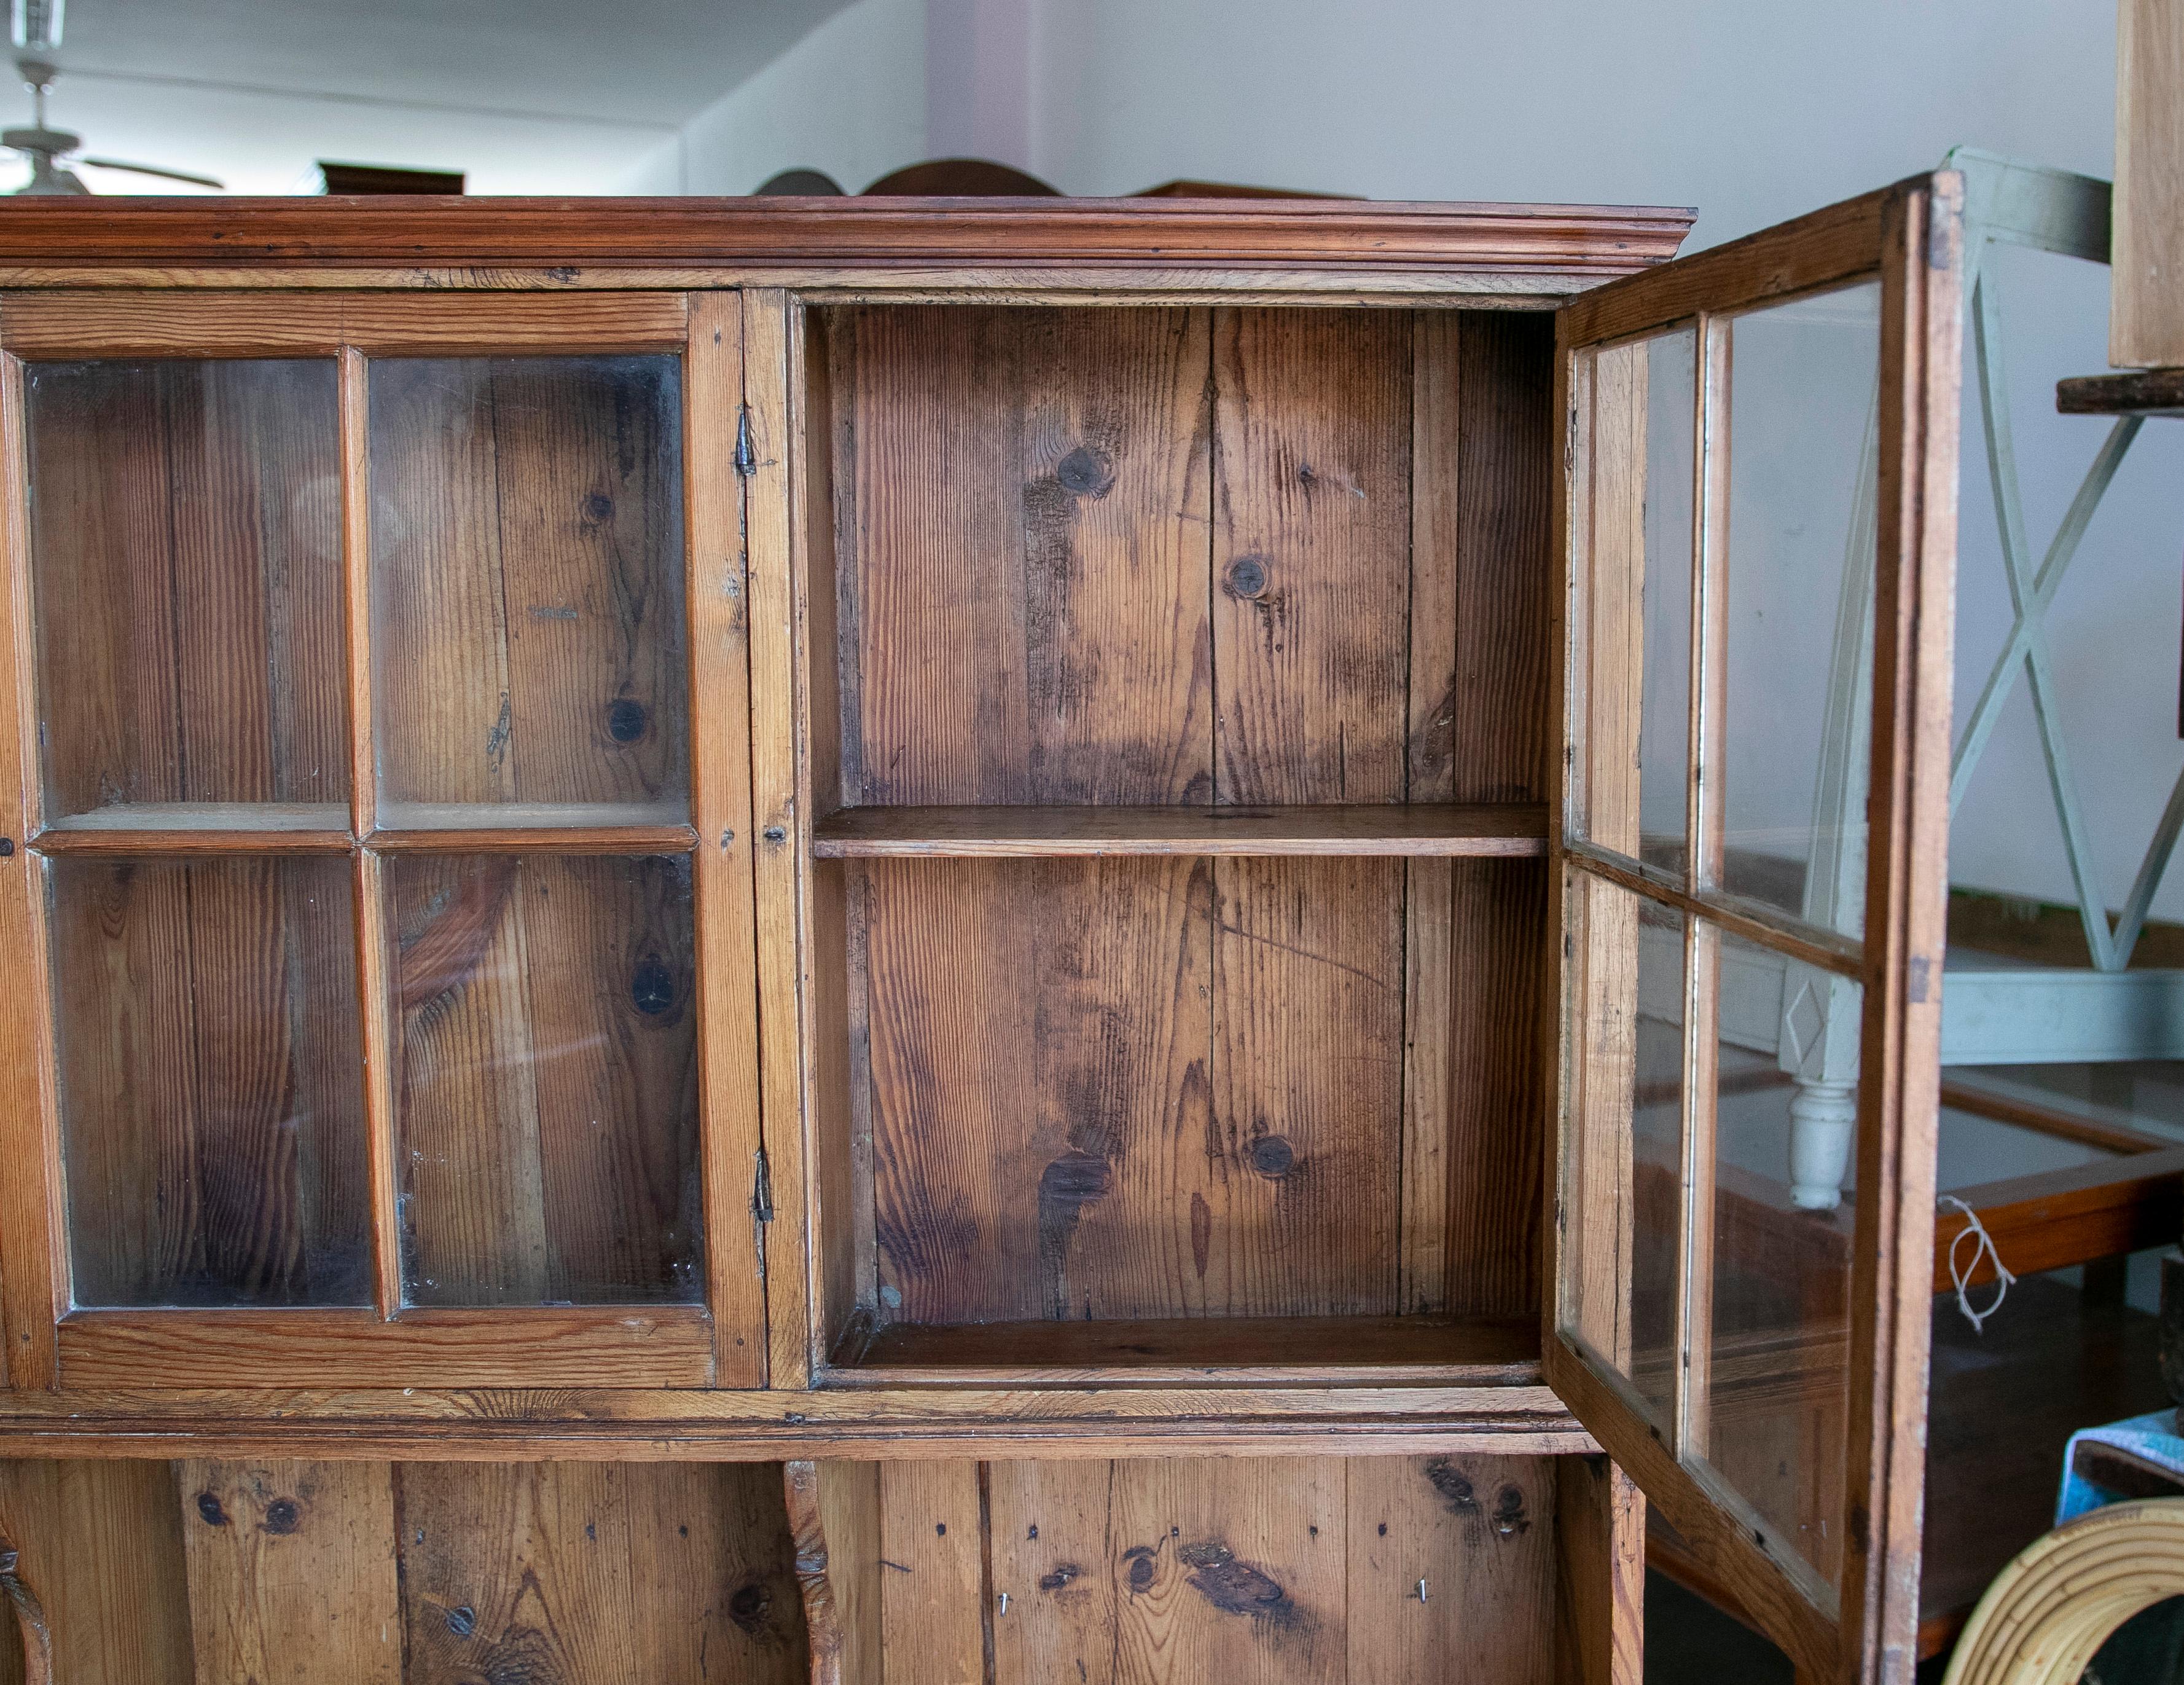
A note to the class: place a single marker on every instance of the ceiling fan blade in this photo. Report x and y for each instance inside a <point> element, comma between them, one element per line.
<point>151,170</point>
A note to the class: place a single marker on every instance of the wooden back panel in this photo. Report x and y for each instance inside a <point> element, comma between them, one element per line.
<point>1176,556</point>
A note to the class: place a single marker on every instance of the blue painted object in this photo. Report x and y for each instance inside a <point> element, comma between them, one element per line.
<point>2152,1437</point>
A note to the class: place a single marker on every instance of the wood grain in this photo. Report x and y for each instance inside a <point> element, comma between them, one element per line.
<point>209,1070</point>
<point>547,1078</point>
<point>935,1626</point>
<point>1380,1351</point>
<point>2145,328</point>
<point>1041,1118</point>
<point>100,1547</point>
<point>121,324</point>
<point>529,611</point>
<point>291,1571</point>
<point>1017,499</point>
<point>1546,246</point>
<point>834,1518</point>
<point>597,1571</point>
<point>2149,392</point>
<point>1602,1558</point>
<point>1453,1568</point>
<point>635,1345</point>
<point>730,1141</point>
<point>184,545</point>
<point>1479,829</point>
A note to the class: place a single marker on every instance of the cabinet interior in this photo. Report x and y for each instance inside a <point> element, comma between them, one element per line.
<point>1176,713</point>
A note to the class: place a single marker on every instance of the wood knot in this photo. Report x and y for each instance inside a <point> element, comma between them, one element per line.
<point>1246,576</point>
<point>749,1606</point>
<point>282,1517</point>
<point>1271,1156</point>
<point>211,1511</point>
<point>1086,472</point>
<point>652,987</point>
<point>626,719</point>
<point>462,1621</point>
<point>598,507</point>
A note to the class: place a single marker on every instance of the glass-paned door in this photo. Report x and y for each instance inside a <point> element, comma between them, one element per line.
<point>378,684</point>
<point>1759,523</point>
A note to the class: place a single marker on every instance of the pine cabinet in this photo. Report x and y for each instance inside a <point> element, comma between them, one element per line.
<point>1119,909</point>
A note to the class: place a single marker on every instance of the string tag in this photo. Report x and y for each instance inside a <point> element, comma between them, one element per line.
<point>1962,1268</point>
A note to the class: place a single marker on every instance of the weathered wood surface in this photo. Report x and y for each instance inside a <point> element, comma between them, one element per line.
<point>546,1078</point>
<point>291,1572</point>
<point>2146,318</point>
<point>99,1545</point>
<point>184,549</point>
<point>1305,1569</point>
<point>1200,571</point>
<point>211,1094</point>
<point>528,621</point>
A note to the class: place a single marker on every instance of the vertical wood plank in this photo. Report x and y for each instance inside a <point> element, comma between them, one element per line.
<point>531,614</point>
<point>1039,1039</point>
<point>787,1035</point>
<point>834,1517</point>
<point>1056,1558</point>
<point>466,1075</point>
<point>291,1569</point>
<point>1429,1014</point>
<point>1234,1570</point>
<point>1907,896</point>
<point>33,1279</point>
<point>596,1571</point>
<point>1502,748</point>
<point>1451,1568</point>
<point>933,1618</point>
<point>1600,1581</point>
<point>1312,560</point>
<point>100,1546</point>
<point>840,1123</point>
<point>2146,320</point>
<point>1026,488</point>
<point>375,995</point>
<point>721,811</point>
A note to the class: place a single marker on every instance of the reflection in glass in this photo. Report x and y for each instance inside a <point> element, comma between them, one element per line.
<point>186,564</point>
<point>1803,444</point>
<point>1777,1399</point>
<point>210,1080</point>
<point>1638,725</point>
<point>1624,1180</point>
<point>546,1073</point>
<point>527,602</point>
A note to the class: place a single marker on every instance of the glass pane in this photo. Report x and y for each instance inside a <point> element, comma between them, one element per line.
<point>186,561</point>
<point>210,1080</point>
<point>527,607</point>
<point>1626,1172</point>
<point>1638,725</point>
<point>1778,1396</point>
<point>547,1078</point>
<point>1802,443</point>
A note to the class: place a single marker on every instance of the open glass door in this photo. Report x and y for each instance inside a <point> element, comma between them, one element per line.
<point>1759,510</point>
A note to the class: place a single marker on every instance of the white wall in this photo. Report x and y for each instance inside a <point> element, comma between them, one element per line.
<point>1751,113</point>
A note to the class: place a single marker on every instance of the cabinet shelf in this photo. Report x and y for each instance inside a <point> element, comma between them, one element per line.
<point>200,827</point>
<point>1502,830</point>
<point>1381,1351</point>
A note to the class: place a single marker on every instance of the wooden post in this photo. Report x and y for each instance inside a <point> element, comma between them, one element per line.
<point>2146,313</point>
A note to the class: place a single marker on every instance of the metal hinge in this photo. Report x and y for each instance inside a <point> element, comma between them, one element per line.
<point>762,1192</point>
<point>746,455</point>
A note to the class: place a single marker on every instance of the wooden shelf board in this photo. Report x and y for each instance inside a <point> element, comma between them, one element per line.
<point>200,828</point>
<point>1379,1351</point>
<point>668,1346</point>
<point>533,827</point>
<point>2133,392</point>
<point>1500,829</point>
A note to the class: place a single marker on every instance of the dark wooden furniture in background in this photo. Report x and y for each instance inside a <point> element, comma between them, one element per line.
<point>911,844</point>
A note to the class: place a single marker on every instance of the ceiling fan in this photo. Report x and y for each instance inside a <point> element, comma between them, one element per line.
<point>38,38</point>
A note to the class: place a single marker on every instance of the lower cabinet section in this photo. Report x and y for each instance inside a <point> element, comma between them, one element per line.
<point>1320,1570</point>
<point>223,1573</point>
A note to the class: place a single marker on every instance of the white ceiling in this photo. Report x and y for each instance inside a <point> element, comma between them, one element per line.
<point>525,96</point>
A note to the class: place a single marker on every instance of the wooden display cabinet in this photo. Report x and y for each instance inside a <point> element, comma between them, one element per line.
<point>952,859</point>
